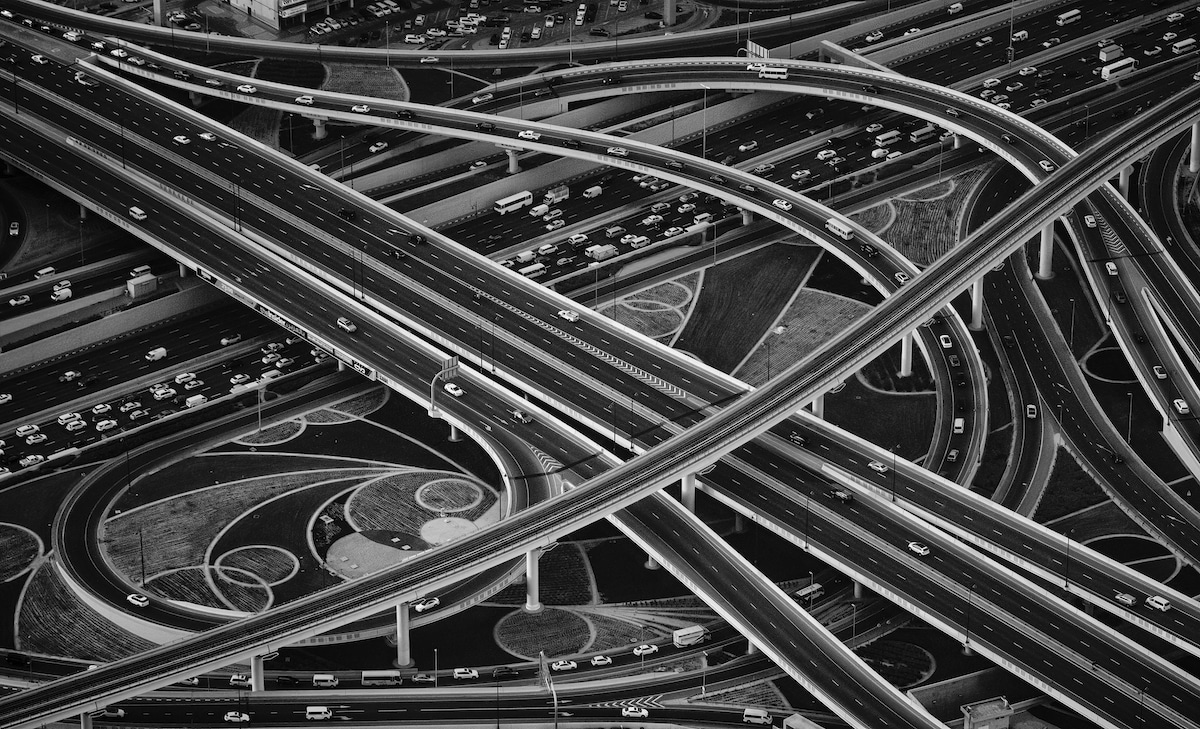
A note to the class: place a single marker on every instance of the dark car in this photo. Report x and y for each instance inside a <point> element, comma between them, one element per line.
<point>287,680</point>
<point>502,671</point>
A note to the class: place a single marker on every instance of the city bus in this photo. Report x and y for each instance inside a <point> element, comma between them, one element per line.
<point>840,229</point>
<point>887,138</point>
<point>920,135</point>
<point>1118,68</point>
<point>772,72</point>
<point>516,201</point>
<point>810,592</point>
<point>1183,46</point>
<point>1068,17</point>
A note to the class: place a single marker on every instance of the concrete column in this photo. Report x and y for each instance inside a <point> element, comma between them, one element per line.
<point>906,349</point>
<point>341,366</point>
<point>195,98</point>
<point>83,213</point>
<point>1123,181</point>
<point>747,217</point>
<point>1194,158</point>
<point>1046,253</point>
<point>967,650</point>
<point>668,12</point>
<point>183,271</point>
<point>858,590</point>
<point>959,140</point>
<point>651,563</point>
<point>977,304</point>
<point>687,495</point>
<point>533,603</point>
<point>455,434</point>
<point>818,406</point>
<point>751,649</point>
<point>256,673</point>
<point>403,640</point>
<point>319,131</point>
<point>739,523</point>
<point>85,720</point>
<point>513,166</point>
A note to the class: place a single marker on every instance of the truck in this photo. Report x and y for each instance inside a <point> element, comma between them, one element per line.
<point>691,635</point>
<point>593,191</point>
<point>156,354</point>
<point>1110,53</point>
<point>556,194</point>
<point>600,252</point>
<point>796,721</point>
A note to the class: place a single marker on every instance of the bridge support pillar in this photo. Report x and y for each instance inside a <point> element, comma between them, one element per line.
<point>906,347</point>
<point>1046,253</point>
<point>533,602</point>
<point>513,166</point>
<point>967,650</point>
<point>687,492</point>
<point>818,406</point>
<point>977,304</point>
<point>183,271</point>
<point>195,98</point>
<point>256,673</point>
<point>651,563</point>
<point>668,13</point>
<point>455,434</point>
<point>319,130</point>
<point>751,649</point>
<point>1194,157</point>
<point>858,590</point>
<point>85,720</point>
<point>403,641</point>
<point>83,213</point>
<point>1123,181</point>
<point>739,523</point>
<point>747,217</point>
<point>341,366</point>
<point>959,140</point>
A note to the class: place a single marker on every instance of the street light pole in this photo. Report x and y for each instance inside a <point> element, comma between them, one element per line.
<point>704,673</point>
<point>1072,327</point>
<point>1129,422</point>
<point>704,125</point>
<point>435,667</point>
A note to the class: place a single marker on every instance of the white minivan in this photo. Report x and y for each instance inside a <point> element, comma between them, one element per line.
<point>756,716</point>
<point>317,713</point>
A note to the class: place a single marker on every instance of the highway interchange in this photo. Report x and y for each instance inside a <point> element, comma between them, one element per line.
<point>372,283</point>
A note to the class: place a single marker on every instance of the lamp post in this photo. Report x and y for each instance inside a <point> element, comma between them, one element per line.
<point>435,667</point>
<point>703,673</point>
<point>1072,339</point>
<point>967,626</point>
<point>704,124</point>
<point>1067,563</point>
<point>893,449</point>
<point>1129,421</point>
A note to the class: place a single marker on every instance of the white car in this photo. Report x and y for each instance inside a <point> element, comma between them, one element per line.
<point>645,649</point>
<point>1028,71</point>
<point>180,139</point>
<point>430,59</point>
<point>1046,165</point>
<point>674,230</point>
<point>781,204</point>
<point>270,358</point>
<point>748,146</point>
<point>564,665</point>
<point>601,661</point>
<point>875,36</point>
<point>1181,406</point>
<point>1159,372</point>
<point>305,100</point>
<point>165,393</point>
<point>360,109</point>
<point>989,83</point>
<point>453,389</point>
<point>428,603</point>
<point>237,717</point>
<point>918,549</point>
<point>32,460</point>
<point>239,379</point>
<point>75,425</point>
<point>104,425</point>
<point>101,409</point>
<point>568,314</point>
<point>131,405</point>
<point>39,59</point>
<point>685,208</point>
<point>529,134</point>
<point>634,712</point>
<point>35,439</point>
<point>119,53</point>
<point>247,89</point>
<point>137,600</point>
<point>463,673</point>
<point>554,225</point>
<point>877,467</point>
<point>946,341</point>
<point>902,278</point>
<point>872,128</point>
<point>1089,221</point>
<point>377,147</point>
<point>617,152</point>
<point>5,398</point>
<point>208,136</point>
<point>801,174</point>
<point>19,300</point>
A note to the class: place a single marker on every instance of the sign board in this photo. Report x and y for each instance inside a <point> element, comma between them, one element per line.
<point>754,50</point>
<point>298,10</point>
<point>450,368</point>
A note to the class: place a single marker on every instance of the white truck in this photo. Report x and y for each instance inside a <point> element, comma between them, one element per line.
<point>556,194</point>
<point>691,635</point>
<point>1111,53</point>
<point>156,354</point>
<point>600,252</point>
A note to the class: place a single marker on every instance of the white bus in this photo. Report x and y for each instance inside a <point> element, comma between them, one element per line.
<point>840,229</point>
<point>1119,68</point>
<point>811,592</point>
<point>1068,17</point>
<point>381,678</point>
<point>920,135</point>
<point>516,201</point>
<point>772,72</point>
<point>1184,46</point>
<point>887,138</point>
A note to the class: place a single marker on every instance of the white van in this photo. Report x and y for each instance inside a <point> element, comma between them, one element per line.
<point>137,213</point>
<point>1020,35</point>
<point>702,219</point>
<point>756,716</point>
<point>533,271</point>
<point>44,272</point>
<point>156,354</point>
<point>593,191</point>
<point>195,401</point>
<point>139,271</point>
<point>955,8</point>
<point>614,232</point>
<point>67,417</point>
<point>240,680</point>
<point>346,325</point>
<point>538,211</point>
<point>324,680</point>
<point>1158,602</point>
<point>526,256</point>
<point>317,713</point>
<point>959,425</point>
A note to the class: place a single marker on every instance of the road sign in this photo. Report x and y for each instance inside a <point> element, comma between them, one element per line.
<point>450,368</point>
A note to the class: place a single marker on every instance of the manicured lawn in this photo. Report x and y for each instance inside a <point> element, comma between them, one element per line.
<point>1069,489</point>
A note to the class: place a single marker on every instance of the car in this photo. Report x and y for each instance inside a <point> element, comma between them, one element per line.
<point>568,314</point>
<point>31,460</point>
<point>423,678</point>
<point>19,300</point>
<point>617,152</point>
<point>453,389</point>
<point>645,649</point>
<point>601,660</point>
<point>1046,165</point>
<point>825,154</point>
<point>1152,51</point>
<point>764,168</point>
<point>101,409</point>
<point>1038,102</point>
<point>5,398</point>
<point>139,414</point>
<point>305,100</point>
<point>75,425</point>
<point>1089,221</point>
<point>287,681</point>
<point>878,466</point>
<point>137,600</point>
<point>874,36</point>
<point>237,717</point>
<point>674,230</point>
<point>284,362</point>
<point>835,161</point>
<point>912,31</point>
<point>747,187</point>
<point>984,41</point>
<point>428,603</point>
<point>902,278</point>
<point>1004,105</point>
<point>652,220</point>
<point>270,347</point>
<point>1028,71</point>
<point>781,204</point>
<point>193,384</point>
<point>164,394</point>
<point>504,672</point>
<point>119,53</point>
<point>554,225</point>
<point>990,83</point>
<point>801,175</point>
<point>872,128</point>
<point>70,375</point>
<point>239,379</point>
<point>360,109</point>
<point>139,61</point>
<point>465,673</point>
<point>24,430</point>
<point>35,439</point>
<point>999,98</point>
<point>14,228</point>
<point>552,215</point>
<point>529,134</point>
<point>1050,43</point>
<point>1181,406</point>
<point>216,83</point>
<point>435,33</point>
<point>377,147</point>
<point>181,139</point>
<point>39,59</point>
<point>1031,412</point>
<point>190,681</point>
<point>564,665</point>
<point>270,358</point>
<point>946,341</point>
<point>685,208</point>
<point>104,425</point>
<point>1170,36</point>
<point>430,59</point>
<point>208,136</point>
<point>987,93</point>
<point>748,146</point>
<point>247,89</point>
<point>918,549</point>
<point>634,712</point>
<point>1014,86</point>
<point>1159,372</point>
